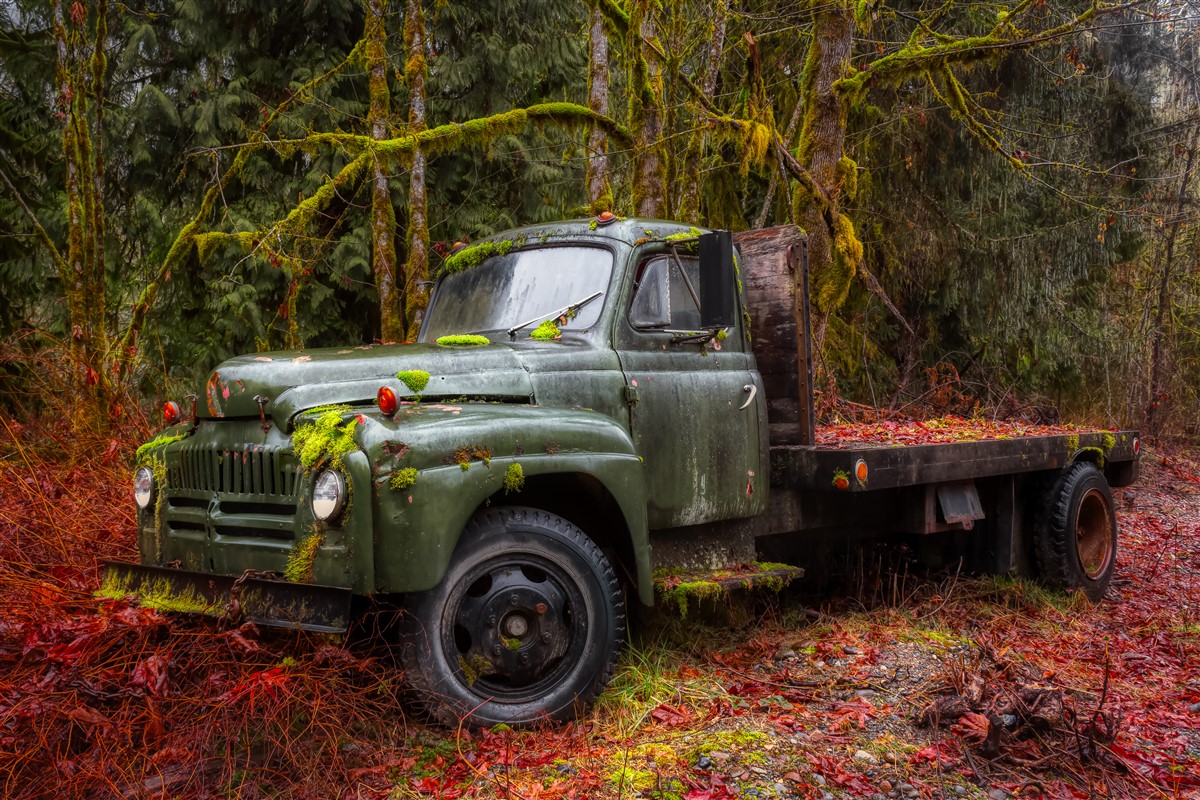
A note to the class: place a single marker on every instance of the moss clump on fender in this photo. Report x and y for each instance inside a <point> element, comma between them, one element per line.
<point>415,379</point>
<point>403,479</point>
<point>162,440</point>
<point>514,478</point>
<point>462,340</point>
<point>326,439</point>
<point>546,331</point>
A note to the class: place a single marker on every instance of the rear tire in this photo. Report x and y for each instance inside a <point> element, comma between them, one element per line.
<point>525,626</point>
<point>1076,534</point>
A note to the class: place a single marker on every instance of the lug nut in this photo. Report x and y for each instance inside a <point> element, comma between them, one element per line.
<point>546,637</point>
<point>513,599</point>
<point>525,659</point>
<point>541,608</point>
<point>497,650</point>
<point>492,620</point>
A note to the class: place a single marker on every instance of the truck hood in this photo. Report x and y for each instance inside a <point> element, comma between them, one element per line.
<point>295,381</point>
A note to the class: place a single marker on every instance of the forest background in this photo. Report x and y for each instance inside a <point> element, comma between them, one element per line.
<point>1000,195</point>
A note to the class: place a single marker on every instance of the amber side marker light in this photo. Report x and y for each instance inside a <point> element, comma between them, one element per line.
<point>860,470</point>
<point>387,400</point>
<point>606,218</point>
<point>171,412</point>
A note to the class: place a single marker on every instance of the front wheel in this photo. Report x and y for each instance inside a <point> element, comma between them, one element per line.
<point>525,625</point>
<point>1076,535</point>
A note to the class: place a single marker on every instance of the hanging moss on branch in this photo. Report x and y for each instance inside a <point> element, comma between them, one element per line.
<point>326,440</point>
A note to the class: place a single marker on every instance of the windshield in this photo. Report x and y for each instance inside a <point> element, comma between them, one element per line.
<point>505,291</point>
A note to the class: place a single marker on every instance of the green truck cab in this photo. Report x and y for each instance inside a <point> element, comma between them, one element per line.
<point>577,391</point>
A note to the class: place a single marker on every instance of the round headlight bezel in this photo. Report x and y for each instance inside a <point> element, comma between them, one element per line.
<point>143,487</point>
<point>327,507</point>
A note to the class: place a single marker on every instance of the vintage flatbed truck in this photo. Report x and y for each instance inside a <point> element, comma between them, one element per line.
<point>586,402</point>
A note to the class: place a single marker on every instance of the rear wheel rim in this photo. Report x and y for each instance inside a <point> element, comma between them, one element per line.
<point>1093,534</point>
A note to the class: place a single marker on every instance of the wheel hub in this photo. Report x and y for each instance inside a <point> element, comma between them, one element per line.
<point>513,626</point>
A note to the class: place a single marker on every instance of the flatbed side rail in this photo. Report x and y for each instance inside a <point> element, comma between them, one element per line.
<point>891,467</point>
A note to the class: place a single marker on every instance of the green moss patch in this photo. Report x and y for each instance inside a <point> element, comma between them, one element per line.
<point>146,450</point>
<point>300,561</point>
<point>474,255</point>
<point>403,479</point>
<point>462,340</point>
<point>325,440</point>
<point>463,456</point>
<point>415,379</point>
<point>514,478</point>
<point>160,595</point>
<point>546,331</point>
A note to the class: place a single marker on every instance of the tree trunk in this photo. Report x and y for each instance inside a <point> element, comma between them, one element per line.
<point>1158,373</point>
<point>417,270</point>
<point>599,187</point>
<point>646,109</point>
<point>822,138</point>
<point>383,213</point>
<point>689,200</point>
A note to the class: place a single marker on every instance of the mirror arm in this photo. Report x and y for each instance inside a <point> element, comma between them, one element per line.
<point>683,274</point>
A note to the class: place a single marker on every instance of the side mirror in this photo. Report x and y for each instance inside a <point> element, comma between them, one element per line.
<point>716,280</point>
<point>651,307</point>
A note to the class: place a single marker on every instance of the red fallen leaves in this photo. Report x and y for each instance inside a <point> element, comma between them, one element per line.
<point>934,431</point>
<point>972,727</point>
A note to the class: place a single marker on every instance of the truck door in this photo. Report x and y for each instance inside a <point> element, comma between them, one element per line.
<point>697,409</point>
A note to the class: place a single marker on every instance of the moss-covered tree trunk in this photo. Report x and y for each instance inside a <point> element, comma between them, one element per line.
<point>689,188</point>
<point>822,139</point>
<point>417,269</point>
<point>599,185</point>
<point>80,72</point>
<point>643,52</point>
<point>383,213</point>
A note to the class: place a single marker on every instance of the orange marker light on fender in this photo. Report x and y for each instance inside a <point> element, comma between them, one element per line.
<point>387,400</point>
<point>606,218</point>
<point>860,470</point>
<point>171,412</point>
<point>1137,446</point>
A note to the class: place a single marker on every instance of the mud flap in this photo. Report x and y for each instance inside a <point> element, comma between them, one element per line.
<point>324,609</point>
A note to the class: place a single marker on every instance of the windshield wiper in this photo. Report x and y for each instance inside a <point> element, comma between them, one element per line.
<point>569,310</point>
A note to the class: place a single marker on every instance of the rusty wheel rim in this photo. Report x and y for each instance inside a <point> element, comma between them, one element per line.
<point>1093,534</point>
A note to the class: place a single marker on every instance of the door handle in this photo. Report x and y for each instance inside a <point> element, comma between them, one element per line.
<point>753,390</point>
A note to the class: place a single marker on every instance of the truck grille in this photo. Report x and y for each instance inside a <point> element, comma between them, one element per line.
<point>262,471</point>
<point>256,490</point>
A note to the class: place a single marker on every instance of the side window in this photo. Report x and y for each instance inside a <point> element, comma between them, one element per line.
<point>667,296</point>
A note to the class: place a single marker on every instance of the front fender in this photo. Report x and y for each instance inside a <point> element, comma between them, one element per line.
<point>461,455</point>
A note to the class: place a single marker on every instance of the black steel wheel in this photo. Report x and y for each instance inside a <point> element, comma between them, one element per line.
<point>1076,535</point>
<point>525,626</point>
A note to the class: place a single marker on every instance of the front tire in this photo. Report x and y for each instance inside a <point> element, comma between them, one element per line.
<point>1076,535</point>
<point>525,626</point>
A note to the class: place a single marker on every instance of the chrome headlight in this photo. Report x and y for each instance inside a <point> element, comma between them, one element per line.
<point>143,486</point>
<point>329,495</point>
